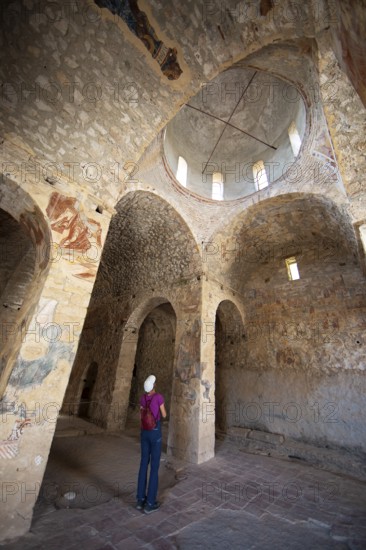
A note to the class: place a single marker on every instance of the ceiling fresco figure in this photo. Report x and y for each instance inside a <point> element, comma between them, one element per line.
<point>138,23</point>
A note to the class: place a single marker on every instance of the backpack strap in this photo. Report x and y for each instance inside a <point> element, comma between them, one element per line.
<point>147,404</point>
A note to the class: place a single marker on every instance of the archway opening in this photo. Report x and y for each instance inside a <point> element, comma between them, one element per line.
<point>295,271</point>
<point>154,355</point>
<point>229,352</point>
<point>86,398</point>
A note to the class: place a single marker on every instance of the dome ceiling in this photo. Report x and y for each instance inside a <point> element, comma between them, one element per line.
<point>239,118</point>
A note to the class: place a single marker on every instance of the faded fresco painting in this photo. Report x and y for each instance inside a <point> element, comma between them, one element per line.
<point>42,348</point>
<point>139,24</point>
<point>9,447</point>
<point>80,235</point>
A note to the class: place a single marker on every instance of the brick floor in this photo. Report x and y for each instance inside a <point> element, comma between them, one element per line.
<point>235,500</point>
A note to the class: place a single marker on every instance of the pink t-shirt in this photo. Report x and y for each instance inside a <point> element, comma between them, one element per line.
<point>155,400</point>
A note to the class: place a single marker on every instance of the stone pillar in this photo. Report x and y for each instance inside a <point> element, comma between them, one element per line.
<point>192,419</point>
<point>39,375</point>
<point>34,395</point>
<point>207,412</point>
<point>118,408</point>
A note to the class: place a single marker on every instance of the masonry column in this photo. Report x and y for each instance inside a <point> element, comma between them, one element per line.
<point>39,376</point>
<point>190,433</point>
<point>207,411</point>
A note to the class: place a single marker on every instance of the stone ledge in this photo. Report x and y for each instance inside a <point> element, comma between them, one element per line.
<point>340,461</point>
<point>266,437</point>
<point>238,432</point>
<point>257,435</point>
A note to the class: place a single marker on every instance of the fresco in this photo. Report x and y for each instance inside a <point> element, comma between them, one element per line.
<point>42,348</point>
<point>30,373</point>
<point>9,447</point>
<point>79,233</point>
<point>138,23</point>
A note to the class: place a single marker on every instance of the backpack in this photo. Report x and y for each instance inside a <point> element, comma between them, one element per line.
<point>148,420</point>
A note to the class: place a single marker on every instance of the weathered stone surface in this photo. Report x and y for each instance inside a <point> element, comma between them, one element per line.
<point>114,264</point>
<point>238,432</point>
<point>274,439</point>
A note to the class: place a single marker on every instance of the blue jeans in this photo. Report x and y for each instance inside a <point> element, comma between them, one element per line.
<point>150,453</point>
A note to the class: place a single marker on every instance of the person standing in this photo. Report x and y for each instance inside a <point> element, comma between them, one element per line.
<point>150,449</point>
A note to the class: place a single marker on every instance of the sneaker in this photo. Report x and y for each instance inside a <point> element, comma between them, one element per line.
<point>150,509</point>
<point>140,504</point>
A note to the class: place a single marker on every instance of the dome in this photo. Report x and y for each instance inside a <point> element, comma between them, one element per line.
<point>240,133</point>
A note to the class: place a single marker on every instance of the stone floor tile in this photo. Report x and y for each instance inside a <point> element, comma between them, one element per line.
<point>92,543</point>
<point>117,535</point>
<point>299,503</point>
<point>163,544</point>
<point>230,506</point>
<point>105,524</point>
<point>132,543</point>
<point>177,491</point>
<point>135,524</point>
<point>189,498</point>
<point>84,532</point>
<point>120,516</point>
<point>183,519</point>
<point>166,527</point>
<point>148,534</point>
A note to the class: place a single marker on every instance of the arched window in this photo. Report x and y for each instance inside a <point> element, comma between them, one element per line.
<point>217,186</point>
<point>182,171</point>
<point>295,138</point>
<point>260,175</point>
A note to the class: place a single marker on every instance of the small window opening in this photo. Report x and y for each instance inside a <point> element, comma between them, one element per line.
<point>217,186</point>
<point>292,269</point>
<point>260,175</point>
<point>295,138</point>
<point>182,171</point>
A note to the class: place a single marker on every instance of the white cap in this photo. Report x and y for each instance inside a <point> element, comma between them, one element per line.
<point>149,383</point>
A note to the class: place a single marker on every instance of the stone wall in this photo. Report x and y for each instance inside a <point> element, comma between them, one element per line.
<point>150,259</point>
<point>81,99</point>
<point>303,338</point>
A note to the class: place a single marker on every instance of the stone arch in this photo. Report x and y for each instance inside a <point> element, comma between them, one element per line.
<point>304,338</point>
<point>140,313</point>
<point>87,384</point>
<point>148,241</point>
<point>25,242</point>
<point>133,353</point>
<point>149,252</point>
<point>302,223</point>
